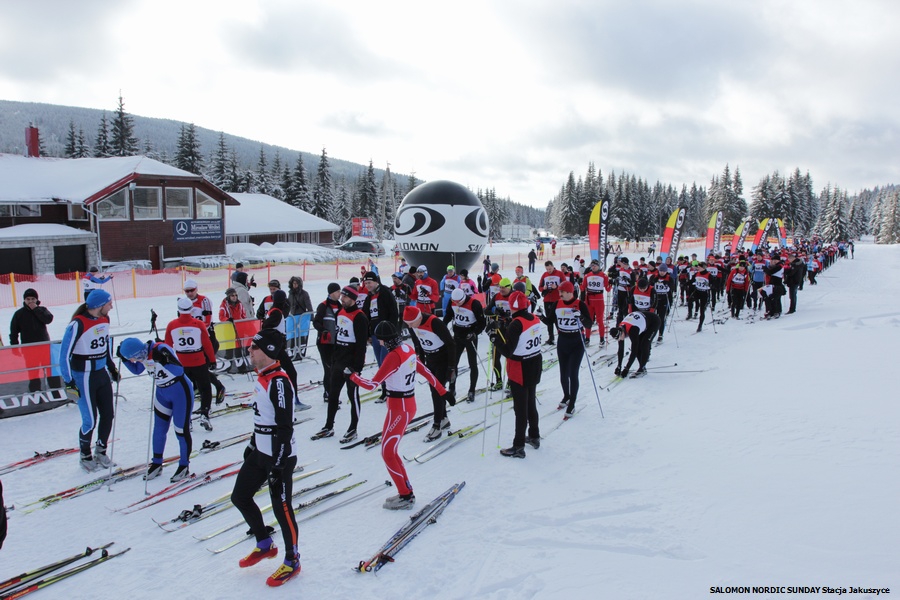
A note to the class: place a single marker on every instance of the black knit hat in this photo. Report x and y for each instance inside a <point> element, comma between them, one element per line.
<point>269,341</point>
<point>333,287</point>
<point>30,293</point>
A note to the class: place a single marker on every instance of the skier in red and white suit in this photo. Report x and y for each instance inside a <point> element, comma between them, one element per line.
<point>398,372</point>
<point>594,283</point>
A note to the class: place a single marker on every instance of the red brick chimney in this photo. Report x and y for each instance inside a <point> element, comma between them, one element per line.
<point>32,141</point>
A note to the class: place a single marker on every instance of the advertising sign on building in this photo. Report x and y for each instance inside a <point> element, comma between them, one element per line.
<point>197,230</point>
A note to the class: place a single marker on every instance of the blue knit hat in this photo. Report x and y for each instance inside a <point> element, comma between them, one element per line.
<point>133,349</point>
<point>98,298</point>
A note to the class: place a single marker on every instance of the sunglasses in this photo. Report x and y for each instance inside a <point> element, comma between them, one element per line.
<point>189,290</point>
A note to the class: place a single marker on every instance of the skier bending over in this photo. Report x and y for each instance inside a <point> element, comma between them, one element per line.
<point>639,327</point>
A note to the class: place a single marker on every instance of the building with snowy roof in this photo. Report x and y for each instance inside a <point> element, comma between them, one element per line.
<point>259,218</point>
<point>104,210</point>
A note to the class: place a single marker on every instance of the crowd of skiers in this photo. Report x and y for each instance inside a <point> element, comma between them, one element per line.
<point>416,325</point>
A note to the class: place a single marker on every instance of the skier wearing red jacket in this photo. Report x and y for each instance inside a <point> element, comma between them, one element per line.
<point>548,286</point>
<point>195,352</point>
<point>425,291</point>
<point>594,283</point>
<point>736,287</point>
<point>398,373</point>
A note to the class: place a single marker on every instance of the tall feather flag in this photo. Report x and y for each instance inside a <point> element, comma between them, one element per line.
<point>713,233</point>
<point>672,233</point>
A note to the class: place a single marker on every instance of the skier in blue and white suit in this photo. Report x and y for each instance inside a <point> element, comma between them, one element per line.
<point>173,401</point>
<point>85,358</point>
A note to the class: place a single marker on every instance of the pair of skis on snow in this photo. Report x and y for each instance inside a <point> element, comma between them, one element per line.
<point>42,577</point>
<point>417,523</point>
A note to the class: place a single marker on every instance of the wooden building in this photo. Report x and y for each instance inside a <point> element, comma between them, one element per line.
<point>136,207</point>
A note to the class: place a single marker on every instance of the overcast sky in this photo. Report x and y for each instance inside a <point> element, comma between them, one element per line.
<point>505,94</point>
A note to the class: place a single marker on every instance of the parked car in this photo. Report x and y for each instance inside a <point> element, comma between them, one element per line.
<point>365,247</point>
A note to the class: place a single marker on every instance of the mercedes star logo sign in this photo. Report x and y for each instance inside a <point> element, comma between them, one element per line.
<point>181,227</point>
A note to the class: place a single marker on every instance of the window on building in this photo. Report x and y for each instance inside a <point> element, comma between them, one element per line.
<point>20,210</point>
<point>178,203</point>
<point>147,203</point>
<point>115,207</point>
<point>208,208</point>
<point>77,213</point>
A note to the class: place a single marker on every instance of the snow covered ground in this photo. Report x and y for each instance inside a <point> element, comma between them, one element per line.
<point>776,466</point>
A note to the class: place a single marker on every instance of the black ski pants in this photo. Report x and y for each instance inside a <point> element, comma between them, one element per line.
<point>525,407</point>
<point>439,365</point>
<point>253,474</point>
<point>470,347</point>
<point>199,376</point>
<point>570,349</point>
<point>336,382</point>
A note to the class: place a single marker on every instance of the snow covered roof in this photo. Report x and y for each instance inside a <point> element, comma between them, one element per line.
<point>43,230</point>
<point>261,214</point>
<point>72,180</point>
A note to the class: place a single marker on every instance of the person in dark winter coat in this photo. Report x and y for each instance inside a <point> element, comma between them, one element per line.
<point>325,325</point>
<point>793,279</point>
<point>298,303</point>
<point>532,257</point>
<point>298,298</point>
<point>29,324</point>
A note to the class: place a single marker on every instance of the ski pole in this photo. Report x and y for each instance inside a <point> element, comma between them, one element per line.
<point>112,439</point>
<point>150,429</point>
<point>593,380</point>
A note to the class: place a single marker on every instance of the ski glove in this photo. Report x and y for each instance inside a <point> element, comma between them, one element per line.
<point>70,385</point>
<point>275,478</point>
<point>114,373</point>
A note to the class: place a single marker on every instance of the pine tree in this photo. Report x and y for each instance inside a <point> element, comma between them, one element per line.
<point>388,205</point>
<point>187,153</point>
<point>368,195</point>
<point>339,209</point>
<point>287,185</point>
<point>276,178</point>
<point>122,140</point>
<point>763,205</point>
<point>101,146</point>
<point>219,162</point>
<point>262,183</point>
<point>232,178</point>
<point>322,193</point>
<point>247,183</point>
<point>889,227</point>
<point>71,148</point>
<point>81,148</point>
<point>412,183</point>
<point>833,222</point>
<point>302,198</point>
<point>569,208</point>
<point>148,150</point>
<point>858,219</point>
